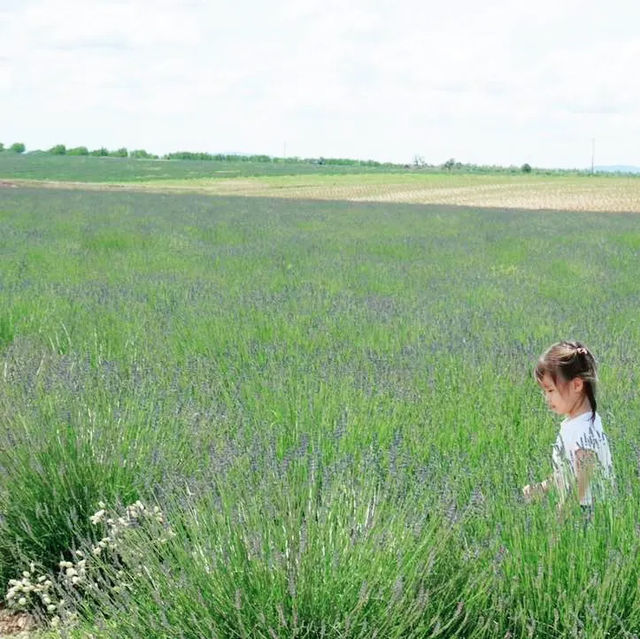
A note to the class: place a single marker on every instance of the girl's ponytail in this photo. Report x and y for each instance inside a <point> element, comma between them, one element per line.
<point>591,396</point>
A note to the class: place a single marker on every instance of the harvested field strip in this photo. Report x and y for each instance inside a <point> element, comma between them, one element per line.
<point>612,194</point>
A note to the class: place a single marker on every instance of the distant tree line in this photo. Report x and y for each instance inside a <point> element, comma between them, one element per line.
<point>61,149</point>
<point>451,165</point>
<point>16,147</point>
<point>235,157</point>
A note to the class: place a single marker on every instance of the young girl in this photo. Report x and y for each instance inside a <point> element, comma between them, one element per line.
<point>566,372</point>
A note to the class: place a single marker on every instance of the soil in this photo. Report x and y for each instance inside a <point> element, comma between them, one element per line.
<point>15,624</point>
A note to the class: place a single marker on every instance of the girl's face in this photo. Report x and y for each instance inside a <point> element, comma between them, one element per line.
<point>563,398</point>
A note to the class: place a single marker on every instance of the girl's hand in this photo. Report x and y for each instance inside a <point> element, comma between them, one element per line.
<point>528,492</point>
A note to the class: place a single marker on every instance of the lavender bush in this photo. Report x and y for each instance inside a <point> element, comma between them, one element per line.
<point>331,403</point>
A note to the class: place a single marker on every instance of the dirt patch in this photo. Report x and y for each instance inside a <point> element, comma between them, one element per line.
<point>16,624</point>
<point>7,185</point>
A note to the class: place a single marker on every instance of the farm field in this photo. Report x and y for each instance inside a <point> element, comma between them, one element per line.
<point>44,166</point>
<point>331,402</point>
<point>538,191</point>
<point>575,193</point>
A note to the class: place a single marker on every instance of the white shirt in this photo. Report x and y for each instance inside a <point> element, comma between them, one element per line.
<point>575,433</point>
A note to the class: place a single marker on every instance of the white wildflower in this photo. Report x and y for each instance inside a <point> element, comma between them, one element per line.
<point>22,601</point>
<point>97,517</point>
<point>50,608</point>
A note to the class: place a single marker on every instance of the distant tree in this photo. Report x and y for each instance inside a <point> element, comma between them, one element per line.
<point>1,147</point>
<point>526,168</point>
<point>418,161</point>
<point>140,154</point>
<point>101,152</point>
<point>119,153</point>
<point>17,147</point>
<point>449,164</point>
<point>58,149</point>
<point>191,155</point>
<point>78,150</point>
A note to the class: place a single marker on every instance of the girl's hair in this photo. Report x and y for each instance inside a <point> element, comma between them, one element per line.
<point>566,361</point>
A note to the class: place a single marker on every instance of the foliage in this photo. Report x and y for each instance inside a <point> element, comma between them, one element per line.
<point>55,598</point>
<point>17,147</point>
<point>526,168</point>
<point>58,149</point>
<point>452,164</point>
<point>332,402</point>
<point>141,154</point>
<point>78,150</point>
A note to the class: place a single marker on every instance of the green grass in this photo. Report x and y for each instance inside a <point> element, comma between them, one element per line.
<point>43,166</point>
<point>332,402</point>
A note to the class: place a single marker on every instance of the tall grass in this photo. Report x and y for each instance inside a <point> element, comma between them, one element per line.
<point>332,403</point>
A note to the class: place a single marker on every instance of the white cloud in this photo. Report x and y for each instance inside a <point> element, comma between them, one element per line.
<point>495,82</point>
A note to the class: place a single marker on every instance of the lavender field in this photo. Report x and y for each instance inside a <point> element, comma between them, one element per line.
<point>331,404</point>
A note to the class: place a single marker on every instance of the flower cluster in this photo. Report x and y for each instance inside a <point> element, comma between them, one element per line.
<point>134,516</point>
<point>34,592</point>
<point>23,595</point>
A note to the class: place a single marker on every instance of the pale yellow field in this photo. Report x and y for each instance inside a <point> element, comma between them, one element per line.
<point>574,193</point>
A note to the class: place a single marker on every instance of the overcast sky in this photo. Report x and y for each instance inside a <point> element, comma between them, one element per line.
<point>491,82</point>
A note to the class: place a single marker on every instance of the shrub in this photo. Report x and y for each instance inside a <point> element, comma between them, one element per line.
<point>17,147</point>
<point>44,512</point>
<point>119,153</point>
<point>79,150</point>
<point>526,168</point>
<point>189,155</point>
<point>140,154</point>
<point>101,152</point>
<point>58,149</point>
<point>51,598</point>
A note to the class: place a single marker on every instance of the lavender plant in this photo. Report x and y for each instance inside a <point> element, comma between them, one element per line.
<point>332,404</point>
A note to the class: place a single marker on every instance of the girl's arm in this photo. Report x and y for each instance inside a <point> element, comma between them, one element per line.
<point>585,466</point>
<point>532,490</point>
